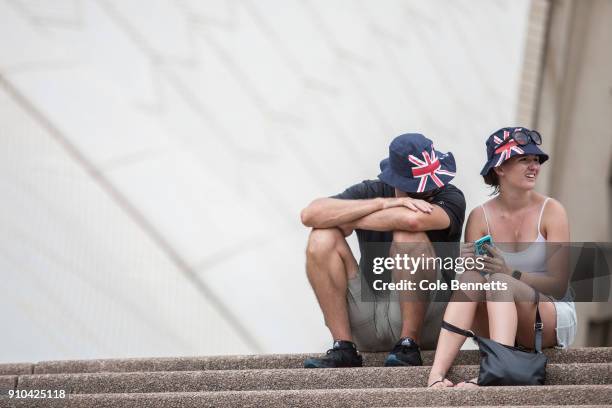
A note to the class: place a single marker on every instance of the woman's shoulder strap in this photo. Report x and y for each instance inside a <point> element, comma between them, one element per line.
<point>542,212</point>
<point>484,210</point>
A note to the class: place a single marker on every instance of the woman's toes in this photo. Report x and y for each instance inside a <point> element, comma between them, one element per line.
<point>444,383</point>
<point>473,383</point>
<point>448,383</point>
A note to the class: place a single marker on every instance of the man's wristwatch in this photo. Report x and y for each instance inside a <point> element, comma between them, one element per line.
<point>516,274</point>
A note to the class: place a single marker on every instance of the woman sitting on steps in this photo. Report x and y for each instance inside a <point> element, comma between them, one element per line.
<point>518,217</point>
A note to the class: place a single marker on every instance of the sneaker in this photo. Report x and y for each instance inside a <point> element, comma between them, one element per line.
<point>405,353</point>
<point>342,354</point>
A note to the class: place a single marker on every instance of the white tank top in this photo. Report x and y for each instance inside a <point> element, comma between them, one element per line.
<point>532,259</point>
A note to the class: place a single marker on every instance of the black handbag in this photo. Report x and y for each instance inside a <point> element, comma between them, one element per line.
<point>506,365</point>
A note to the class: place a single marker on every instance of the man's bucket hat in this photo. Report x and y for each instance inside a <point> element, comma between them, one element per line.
<point>500,149</point>
<point>414,166</point>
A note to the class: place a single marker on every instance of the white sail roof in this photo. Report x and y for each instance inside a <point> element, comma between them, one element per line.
<point>155,156</point>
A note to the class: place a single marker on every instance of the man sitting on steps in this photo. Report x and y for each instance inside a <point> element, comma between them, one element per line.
<point>408,208</point>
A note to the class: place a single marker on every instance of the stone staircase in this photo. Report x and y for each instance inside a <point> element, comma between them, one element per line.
<point>575,377</point>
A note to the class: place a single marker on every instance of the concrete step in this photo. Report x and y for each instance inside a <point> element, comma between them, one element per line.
<point>270,361</point>
<point>16,369</point>
<point>285,379</point>
<point>7,382</point>
<point>380,397</point>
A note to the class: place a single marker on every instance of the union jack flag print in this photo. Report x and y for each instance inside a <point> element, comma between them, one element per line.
<point>507,149</point>
<point>428,167</point>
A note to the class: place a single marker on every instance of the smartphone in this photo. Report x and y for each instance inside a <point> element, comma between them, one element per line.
<point>478,245</point>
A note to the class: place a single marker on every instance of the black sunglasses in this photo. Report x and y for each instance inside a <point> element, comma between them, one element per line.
<point>523,138</point>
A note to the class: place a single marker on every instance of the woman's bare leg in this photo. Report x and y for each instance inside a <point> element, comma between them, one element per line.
<point>503,321</point>
<point>513,321</point>
<point>519,315</point>
<point>502,317</point>
<point>459,312</point>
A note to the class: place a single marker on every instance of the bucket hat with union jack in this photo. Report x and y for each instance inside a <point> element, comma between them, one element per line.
<point>414,166</point>
<point>500,149</point>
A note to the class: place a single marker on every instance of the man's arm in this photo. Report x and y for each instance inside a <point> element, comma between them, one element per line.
<point>402,219</point>
<point>333,212</point>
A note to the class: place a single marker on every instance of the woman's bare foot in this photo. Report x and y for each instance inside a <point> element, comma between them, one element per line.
<point>439,382</point>
<point>473,383</point>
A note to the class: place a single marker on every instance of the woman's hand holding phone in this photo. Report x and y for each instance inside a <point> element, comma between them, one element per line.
<point>494,261</point>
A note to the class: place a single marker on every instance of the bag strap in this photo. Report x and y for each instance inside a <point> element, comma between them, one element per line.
<point>539,326</point>
<point>455,329</point>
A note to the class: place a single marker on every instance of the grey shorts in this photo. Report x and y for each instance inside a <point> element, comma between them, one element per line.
<point>376,325</point>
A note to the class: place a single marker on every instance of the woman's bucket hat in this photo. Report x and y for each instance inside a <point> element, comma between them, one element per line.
<point>413,166</point>
<point>500,149</point>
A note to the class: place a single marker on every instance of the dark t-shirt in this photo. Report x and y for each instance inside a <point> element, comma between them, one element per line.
<point>449,198</point>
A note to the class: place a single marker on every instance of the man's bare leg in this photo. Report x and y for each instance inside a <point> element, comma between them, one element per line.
<point>413,305</point>
<point>329,265</point>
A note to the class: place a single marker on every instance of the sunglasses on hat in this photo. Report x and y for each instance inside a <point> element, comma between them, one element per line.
<point>523,138</point>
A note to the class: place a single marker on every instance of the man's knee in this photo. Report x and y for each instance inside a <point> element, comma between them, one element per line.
<point>322,241</point>
<point>415,243</point>
<point>408,236</point>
